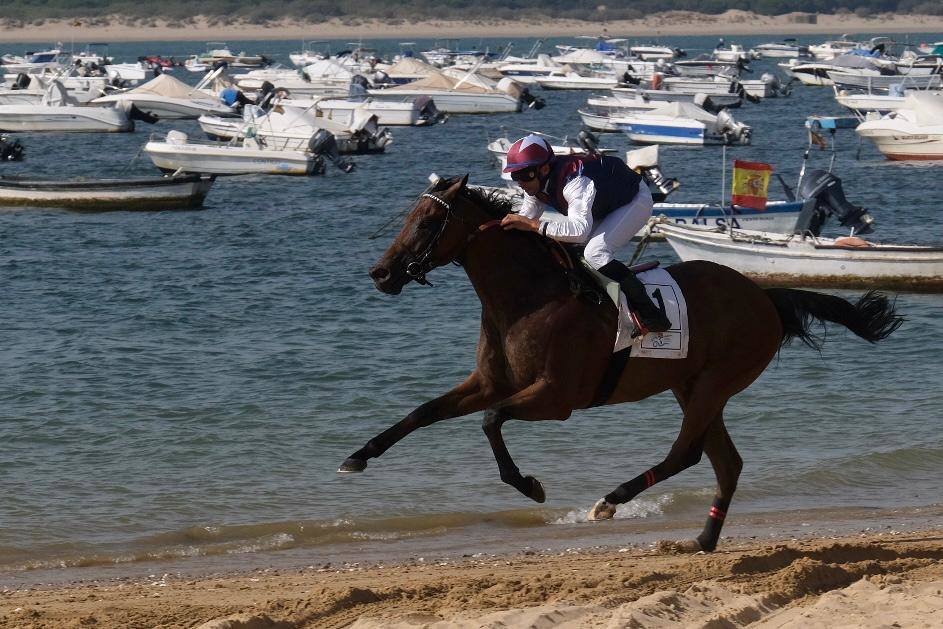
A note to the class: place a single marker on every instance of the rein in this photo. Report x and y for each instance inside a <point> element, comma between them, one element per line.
<point>420,266</point>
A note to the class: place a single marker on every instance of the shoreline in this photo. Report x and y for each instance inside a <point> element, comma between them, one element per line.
<point>675,23</point>
<point>864,579</point>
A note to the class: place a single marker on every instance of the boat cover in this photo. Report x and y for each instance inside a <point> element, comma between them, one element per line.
<point>439,81</point>
<point>327,69</point>
<point>166,85</point>
<point>927,106</point>
<point>682,109</point>
<point>410,66</point>
<point>583,56</point>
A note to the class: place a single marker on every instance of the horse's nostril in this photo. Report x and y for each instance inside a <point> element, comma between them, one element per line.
<point>379,273</point>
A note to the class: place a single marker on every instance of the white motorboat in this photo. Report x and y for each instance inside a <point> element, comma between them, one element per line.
<point>169,99</point>
<point>177,153</point>
<point>733,52</point>
<point>322,78</point>
<point>291,128</point>
<point>33,62</point>
<point>58,112</point>
<point>654,52</point>
<point>683,123</point>
<point>220,52</point>
<point>459,96</point>
<point>528,72</point>
<point>863,103</point>
<point>791,259</point>
<point>834,48</point>
<point>29,89</point>
<point>875,82</point>
<point>729,100</point>
<point>913,132</point>
<point>705,65</point>
<point>418,112</point>
<point>788,49</point>
<point>306,56</point>
<point>575,81</point>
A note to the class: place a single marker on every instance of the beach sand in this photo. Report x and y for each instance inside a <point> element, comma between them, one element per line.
<point>733,22</point>
<point>888,579</point>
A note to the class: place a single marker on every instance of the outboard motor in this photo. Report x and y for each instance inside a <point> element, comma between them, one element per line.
<point>588,141</point>
<point>704,102</point>
<point>530,100</point>
<point>137,114</point>
<point>358,88</point>
<point>324,144</point>
<point>265,96</point>
<point>428,112</point>
<point>10,150</point>
<point>630,79</point>
<point>22,82</point>
<point>734,132</point>
<point>826,189</point>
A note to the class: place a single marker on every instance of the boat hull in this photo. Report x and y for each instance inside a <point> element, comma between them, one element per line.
<point>455,102</point>
<point>153,193</point>
<point>63,119</point>
<point>771,258</point>
<point>229,160</point>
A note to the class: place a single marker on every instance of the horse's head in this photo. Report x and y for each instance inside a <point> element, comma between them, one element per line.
<point>435,233</point>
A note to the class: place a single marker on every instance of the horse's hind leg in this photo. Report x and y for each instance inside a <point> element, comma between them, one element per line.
<point>727,466</point>
<point>701,404</point>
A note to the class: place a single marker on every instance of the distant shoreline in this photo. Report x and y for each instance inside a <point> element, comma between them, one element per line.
<point>673,23</point>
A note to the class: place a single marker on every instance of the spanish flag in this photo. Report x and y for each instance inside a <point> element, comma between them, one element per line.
<point>750,184</point>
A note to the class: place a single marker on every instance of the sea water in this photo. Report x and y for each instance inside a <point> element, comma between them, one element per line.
<point>180,387</point>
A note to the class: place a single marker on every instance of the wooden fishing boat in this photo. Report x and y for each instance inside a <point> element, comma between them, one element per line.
<point>138,193</point>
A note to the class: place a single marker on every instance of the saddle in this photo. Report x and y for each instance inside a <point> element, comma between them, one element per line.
<point>585,281</point>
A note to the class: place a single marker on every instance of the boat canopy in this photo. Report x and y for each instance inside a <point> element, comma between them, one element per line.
<point>440,81</point>
<point>583,56</point>
<point>682,109</point>
<point>166,85</point>
<point>927,106</point>
<point>327,69</point>
<point>411,66</point>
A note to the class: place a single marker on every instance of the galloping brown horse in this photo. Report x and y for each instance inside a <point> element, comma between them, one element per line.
<point>544,350</point>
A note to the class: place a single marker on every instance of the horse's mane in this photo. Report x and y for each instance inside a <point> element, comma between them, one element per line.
<point>495,202</point>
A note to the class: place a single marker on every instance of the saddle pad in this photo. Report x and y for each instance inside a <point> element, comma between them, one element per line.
<point>663,289</point>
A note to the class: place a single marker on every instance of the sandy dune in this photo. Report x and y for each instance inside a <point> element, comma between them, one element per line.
<point>672,23</point>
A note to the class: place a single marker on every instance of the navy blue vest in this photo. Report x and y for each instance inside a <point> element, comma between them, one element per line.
<point>616,184</point>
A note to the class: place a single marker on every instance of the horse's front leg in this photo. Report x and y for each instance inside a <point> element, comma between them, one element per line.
<point>533,403</point>
<point>473,395</point>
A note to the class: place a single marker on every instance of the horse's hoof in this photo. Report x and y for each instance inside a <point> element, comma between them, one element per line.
<point>602,510</point>
<point>536,492</point>
<point>352,465</point>
<point>679,547</point>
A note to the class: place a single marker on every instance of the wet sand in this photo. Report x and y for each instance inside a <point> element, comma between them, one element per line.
<point>868,579</point>
<point>732,22</point>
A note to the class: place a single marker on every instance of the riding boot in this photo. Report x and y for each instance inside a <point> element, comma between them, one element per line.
<point>648,316</point>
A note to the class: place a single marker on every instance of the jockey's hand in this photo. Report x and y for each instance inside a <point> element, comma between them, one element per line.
<point>516,221</point>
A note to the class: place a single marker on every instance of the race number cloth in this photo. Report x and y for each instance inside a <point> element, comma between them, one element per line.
<point>666,294</point>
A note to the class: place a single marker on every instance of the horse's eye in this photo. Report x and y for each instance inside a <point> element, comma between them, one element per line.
<point>427,224</point>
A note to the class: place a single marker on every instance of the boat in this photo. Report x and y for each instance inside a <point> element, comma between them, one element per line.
<point>305,56</point>
<point>326,77</point>
<point>420,111</point>
<point>733,52</point>
<point>912,132</point>
<point>788,48</point>
<point>287,127</point>
<point>729,100</point>
<point>834,48</point>
<point>576,81</point>
<point>29,89</point>
<point>59,112</point>
<point>169,99</point>
<point>683,123</point>
<point>461,96</point>
<point>137,193</point>
<point>32,62</point>
<point>177,153</point>
<point>781,259</point>
<point>218,52</point>
<point>654,52</point>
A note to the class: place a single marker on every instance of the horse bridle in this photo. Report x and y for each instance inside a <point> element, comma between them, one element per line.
<point>420,266</point>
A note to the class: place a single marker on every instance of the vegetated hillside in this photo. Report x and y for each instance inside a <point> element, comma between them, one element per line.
<point>184,11</point>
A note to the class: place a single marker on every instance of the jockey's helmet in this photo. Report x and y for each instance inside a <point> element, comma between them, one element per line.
<point>528,152</point>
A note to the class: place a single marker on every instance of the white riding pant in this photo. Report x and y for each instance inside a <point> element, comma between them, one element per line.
<point>616,229</point>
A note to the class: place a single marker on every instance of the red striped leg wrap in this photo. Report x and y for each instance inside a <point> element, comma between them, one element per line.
<point>650,478</point>
<point>717,514</point>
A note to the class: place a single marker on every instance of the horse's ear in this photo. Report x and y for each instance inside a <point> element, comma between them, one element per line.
<point>456,187</point>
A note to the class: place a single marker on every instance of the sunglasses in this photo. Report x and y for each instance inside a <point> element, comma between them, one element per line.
<point>526,174</point>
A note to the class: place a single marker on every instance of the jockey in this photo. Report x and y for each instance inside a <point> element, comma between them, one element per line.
<point>604,204</point>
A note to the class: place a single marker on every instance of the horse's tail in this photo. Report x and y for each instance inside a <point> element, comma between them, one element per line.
<point>873,317</point>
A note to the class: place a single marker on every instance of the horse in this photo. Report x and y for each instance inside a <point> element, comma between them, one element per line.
<point>544,347</point>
